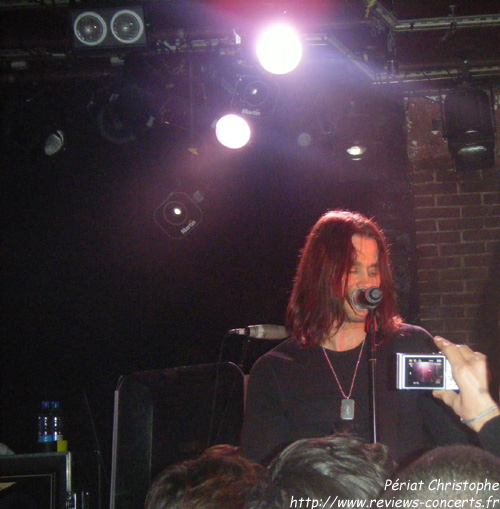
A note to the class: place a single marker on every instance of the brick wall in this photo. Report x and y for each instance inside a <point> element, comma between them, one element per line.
<point>457,233</point>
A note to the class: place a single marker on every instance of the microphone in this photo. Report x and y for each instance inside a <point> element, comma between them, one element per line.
<point>366,298</point>
<point>265,331</point>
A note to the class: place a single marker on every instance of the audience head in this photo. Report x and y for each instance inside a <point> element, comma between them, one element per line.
<point>456,472</point>
<point>220,477</point>
<point>340,467</point>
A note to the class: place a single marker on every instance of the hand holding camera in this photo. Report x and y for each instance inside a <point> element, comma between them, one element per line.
<point>473,403</point>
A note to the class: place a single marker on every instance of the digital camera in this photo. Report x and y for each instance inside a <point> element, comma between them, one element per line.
<point>424,371</point>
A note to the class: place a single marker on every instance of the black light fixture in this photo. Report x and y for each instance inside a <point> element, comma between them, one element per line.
<point>101,28</point>
<point>254,96</point>
<point>469,127</point>
<point>179,214</point>
<point>128,113</point>
<point>54,143</point>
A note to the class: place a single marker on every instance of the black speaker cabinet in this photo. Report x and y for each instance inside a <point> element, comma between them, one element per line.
<point>165,416</point>
<point>36,481</point>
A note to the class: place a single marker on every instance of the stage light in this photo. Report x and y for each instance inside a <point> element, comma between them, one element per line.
<point>254,96</point>
<point>54,143</point>
<point>356,151</point>
<point>90,28</point>
<point>304,139</point>
<point>108,27</point>
<point>127,26</point>
<point>232,131</point>
<point>469,127</point>
<point>128,113</point>
<point>179,214</point>
<point>279,49</point>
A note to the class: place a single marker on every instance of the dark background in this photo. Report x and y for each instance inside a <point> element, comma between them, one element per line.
<point>93,289</point>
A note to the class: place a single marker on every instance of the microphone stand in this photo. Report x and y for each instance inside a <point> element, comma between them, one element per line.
<point>371,331</point>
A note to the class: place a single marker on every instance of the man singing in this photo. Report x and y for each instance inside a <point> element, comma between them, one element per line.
<point>317,382</point>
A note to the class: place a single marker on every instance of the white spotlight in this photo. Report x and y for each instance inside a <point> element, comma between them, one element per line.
<point>127,26</point>
<point>232,131</point>
<point>90,28</point>
<point>279,49</point>
<point>356,152</point>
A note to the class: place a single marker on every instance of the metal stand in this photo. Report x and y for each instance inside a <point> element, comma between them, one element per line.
<point>371,332</point>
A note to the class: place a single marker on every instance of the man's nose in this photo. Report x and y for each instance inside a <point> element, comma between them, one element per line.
<point>365,280</point>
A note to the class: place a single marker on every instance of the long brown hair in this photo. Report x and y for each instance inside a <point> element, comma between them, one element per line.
<point>320,287</point>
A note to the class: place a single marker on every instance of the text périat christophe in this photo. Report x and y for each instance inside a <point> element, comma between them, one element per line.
<point>438,485</point>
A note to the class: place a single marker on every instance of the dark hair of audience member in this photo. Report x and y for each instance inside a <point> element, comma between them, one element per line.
<point>220,477</point>
<point>440,474</point>
<point>322,469</point>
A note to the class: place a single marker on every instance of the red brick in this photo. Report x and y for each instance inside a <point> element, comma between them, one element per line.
<point>467,223</point>
<point>490,198</point>
<point>492,222</point>
<point>425,287</point>
<point>458,337</point>
<point>431,311</point>
<point>424,200</point>
<point>422,177</point>
<point>463,298</point>
<point>463,273</point>
<point>462,248</point>
<point>475,286</point>
<point>483,260</point>
<point>428,275</point>
<point>451,286</point>
<point>472,311</point>
<point>447,175</point>
<point>434,326</point>
<point>477,187</point>
<point>491,234</point>
<point>461,324</point>
<point>453,312</point>
<point>434,160</point>
<point>491,173</point>
<point>470,176</point>
<point>433,299</point>
<point>441,287</point>
<point>480,210</point>
<point>439,263</point>
<point>492,246</point>
<point>458,199</point>
<point>435,188</point>
<point>436,212</point>
<point>426,225</point>
<point>438,237</point>
<point>427,250</point>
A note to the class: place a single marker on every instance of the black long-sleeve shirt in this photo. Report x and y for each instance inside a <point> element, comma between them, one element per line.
<point>292,394</point>
<point>489,435</point>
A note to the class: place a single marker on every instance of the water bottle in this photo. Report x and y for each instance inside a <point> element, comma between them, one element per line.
<point>50,428</point>
<point>45,432</point>
<point>57,422</point>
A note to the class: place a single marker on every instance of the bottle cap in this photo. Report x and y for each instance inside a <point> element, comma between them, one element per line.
<point>62,445</point>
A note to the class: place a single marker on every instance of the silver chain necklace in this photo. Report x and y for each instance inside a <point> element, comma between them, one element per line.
<point>347,404</point>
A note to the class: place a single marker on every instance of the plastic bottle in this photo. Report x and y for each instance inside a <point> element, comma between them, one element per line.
<point>45,431</point>
<point>57,421</point>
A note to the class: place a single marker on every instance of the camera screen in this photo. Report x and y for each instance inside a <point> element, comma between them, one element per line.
<point>424,371</point>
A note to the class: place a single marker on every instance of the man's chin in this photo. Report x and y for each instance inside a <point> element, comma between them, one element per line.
<point>357,318</point>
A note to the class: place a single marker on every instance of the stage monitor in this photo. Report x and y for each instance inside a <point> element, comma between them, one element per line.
<point>36,480</point>
<point>165,416</point>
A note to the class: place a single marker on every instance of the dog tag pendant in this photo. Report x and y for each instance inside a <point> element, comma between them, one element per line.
<point>347,410</point>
